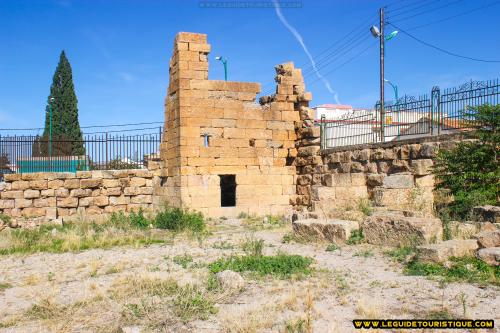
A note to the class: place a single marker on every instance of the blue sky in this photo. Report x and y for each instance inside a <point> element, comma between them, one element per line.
<point>119,50</point>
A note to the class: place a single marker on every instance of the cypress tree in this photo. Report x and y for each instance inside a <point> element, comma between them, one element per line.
<point>65,124</point>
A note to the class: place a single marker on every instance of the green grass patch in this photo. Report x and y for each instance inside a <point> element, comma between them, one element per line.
<point>356,237</point>
<point>364,254</point>
<point>282,266</point>
<point>136,229</point>
<point>467,269</point>
<point>193,303</point>
<point>332,247</point>
<point>183,260</point>
<point>401,253</point>
<point>253,247</point>
<point>4,286</point>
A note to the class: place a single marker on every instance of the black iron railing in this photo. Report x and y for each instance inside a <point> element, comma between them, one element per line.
<point>104,151</point>
<point>410,117</point>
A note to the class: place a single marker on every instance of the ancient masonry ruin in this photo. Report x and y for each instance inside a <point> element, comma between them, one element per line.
<point>223,154</point>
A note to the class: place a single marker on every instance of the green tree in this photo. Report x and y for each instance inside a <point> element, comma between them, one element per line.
<point>65,125</point>
<point>470,171</point>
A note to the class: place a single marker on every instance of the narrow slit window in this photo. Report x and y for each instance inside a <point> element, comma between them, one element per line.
<point>228,190</point>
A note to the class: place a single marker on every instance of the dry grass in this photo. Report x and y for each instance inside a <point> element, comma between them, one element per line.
<point>237,320</point>
<point>368,310</point>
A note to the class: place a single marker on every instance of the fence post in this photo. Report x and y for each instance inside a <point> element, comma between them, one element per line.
<point>436,109</point>
<point>107,150</point>
<point>322,132</point>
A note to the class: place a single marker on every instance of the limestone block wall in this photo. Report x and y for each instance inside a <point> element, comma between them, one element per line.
<point>392,175</point>
<point>216,128</point>
<point>47,195</point>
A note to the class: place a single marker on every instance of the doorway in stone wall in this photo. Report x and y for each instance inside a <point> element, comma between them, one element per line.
<point>227,190</point>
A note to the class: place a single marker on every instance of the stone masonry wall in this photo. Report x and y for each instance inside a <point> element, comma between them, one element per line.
<point>255,143</point>
<point>392,175</point>
<point>49,196</point>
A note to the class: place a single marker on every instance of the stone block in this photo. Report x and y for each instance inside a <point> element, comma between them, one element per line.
<point>20,185</point>
<point>85,202</point>
<point>487,213</point>
<point>421,167</point>
<point>110,182</point>
<point>398,230</point>
<point>90,183</point>
<point>101,200</point>
<point>398,181</point>
<point>80,192</point>
<point>141,199</point>
<point>38,184</point>
<point>7,203</point>
<point>55,184</point>
<point>33,212</point>
<point>490,255</point>
<point>72,183</point>
<point>443,251</point>
<point>47,193</point>
<point>374,179</point>
<point>83,174</point>
<point>336,231</point>
<point>69,202</point>
<point>319,192</point>
<point>12,195</point>
<point>62,192</point>
<point>23,203</point>
<point>488,238</point>
<point>121,200</point>
<point>337,179</point>
<point>115,191</point>
<point>31,194</point>
<point>425,181</point>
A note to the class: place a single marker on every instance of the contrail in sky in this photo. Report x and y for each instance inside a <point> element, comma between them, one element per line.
<point>304,47</point>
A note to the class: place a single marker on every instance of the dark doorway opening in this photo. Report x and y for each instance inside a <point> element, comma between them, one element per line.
<point>228,190</point>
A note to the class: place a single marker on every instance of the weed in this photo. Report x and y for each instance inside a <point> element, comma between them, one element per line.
<point>468,269</point>
<point>443,314</point>
<point>183,260</point>
<point>4,286</point>
<point>45,309</point>
<point>213,283</point>
<point>463,300</point>
<point>222,245</point>
<point>50,276</point>
<point>331,247</point>
<point>287,238</point>
<point>5,218</point>
<point>365,207</point>
<point>192,303</point>
<point>356,237</point>
<point>282,265</point>
<point>296,326</point>
<point>243,215</point>
<point>177,219</point>
<point>401,253</point>
<point>139,220</point>
<point>253,247</point>
<point>364,254</point>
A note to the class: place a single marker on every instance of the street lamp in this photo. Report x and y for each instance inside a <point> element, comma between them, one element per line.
<point>224,62</point>
<point>378,32</point>
<point>395,88</point>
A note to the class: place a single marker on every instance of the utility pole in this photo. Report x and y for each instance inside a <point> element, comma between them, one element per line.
<point>382,95</point>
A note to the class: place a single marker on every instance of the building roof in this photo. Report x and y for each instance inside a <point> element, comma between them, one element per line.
<point>334,106</point>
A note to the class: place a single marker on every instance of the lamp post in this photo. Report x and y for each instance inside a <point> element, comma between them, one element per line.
<point>379,33</point>
<point>224,62</point>
<point>395,88</point>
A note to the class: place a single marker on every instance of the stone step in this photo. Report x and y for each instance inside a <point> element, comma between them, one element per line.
<point>443,251</point>
<point>335,231</point>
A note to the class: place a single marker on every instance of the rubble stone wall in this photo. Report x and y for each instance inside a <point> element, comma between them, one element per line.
<point>253,141</point>
<point>51,195</point>
<point>392,175</point>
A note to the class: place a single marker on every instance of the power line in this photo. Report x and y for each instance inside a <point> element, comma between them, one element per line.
<point>410,7</point>
<point>454,16</point>
<point>441,49</point>
<point>425,12</point>
<point>93,126</point>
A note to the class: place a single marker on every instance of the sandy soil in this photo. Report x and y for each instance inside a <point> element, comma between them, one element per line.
<point>352,282</point>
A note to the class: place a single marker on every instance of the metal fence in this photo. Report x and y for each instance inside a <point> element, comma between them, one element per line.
<point>104,151</point>
<point>441,112</point>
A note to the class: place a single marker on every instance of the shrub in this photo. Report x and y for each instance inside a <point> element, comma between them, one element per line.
<point>177,219</point>
<point>281,265</point>
<point>253,246</point>
<point>139,220</point>
<point>468,269</point>
<point>356,237</point>
<point>470,171</point>
<point>183,260</point>
<point>331,247</point>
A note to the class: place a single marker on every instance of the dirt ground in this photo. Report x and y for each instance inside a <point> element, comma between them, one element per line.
<point>76,292</point>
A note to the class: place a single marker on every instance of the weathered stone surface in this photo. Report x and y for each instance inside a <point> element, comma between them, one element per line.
<point>31,194</point>
<point>461,230</point>
<point>398,181</point>
<point>487,213</point>
<point>69,202</point>
<point>488,238</point>
<point>337,231</point>
<point>490,255</point>
<point>398,230</point>
<point>441,252</point>
<point>421,167</point>
<point>374,179</point>
<point>90,183</point>
<point>230,280</point>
